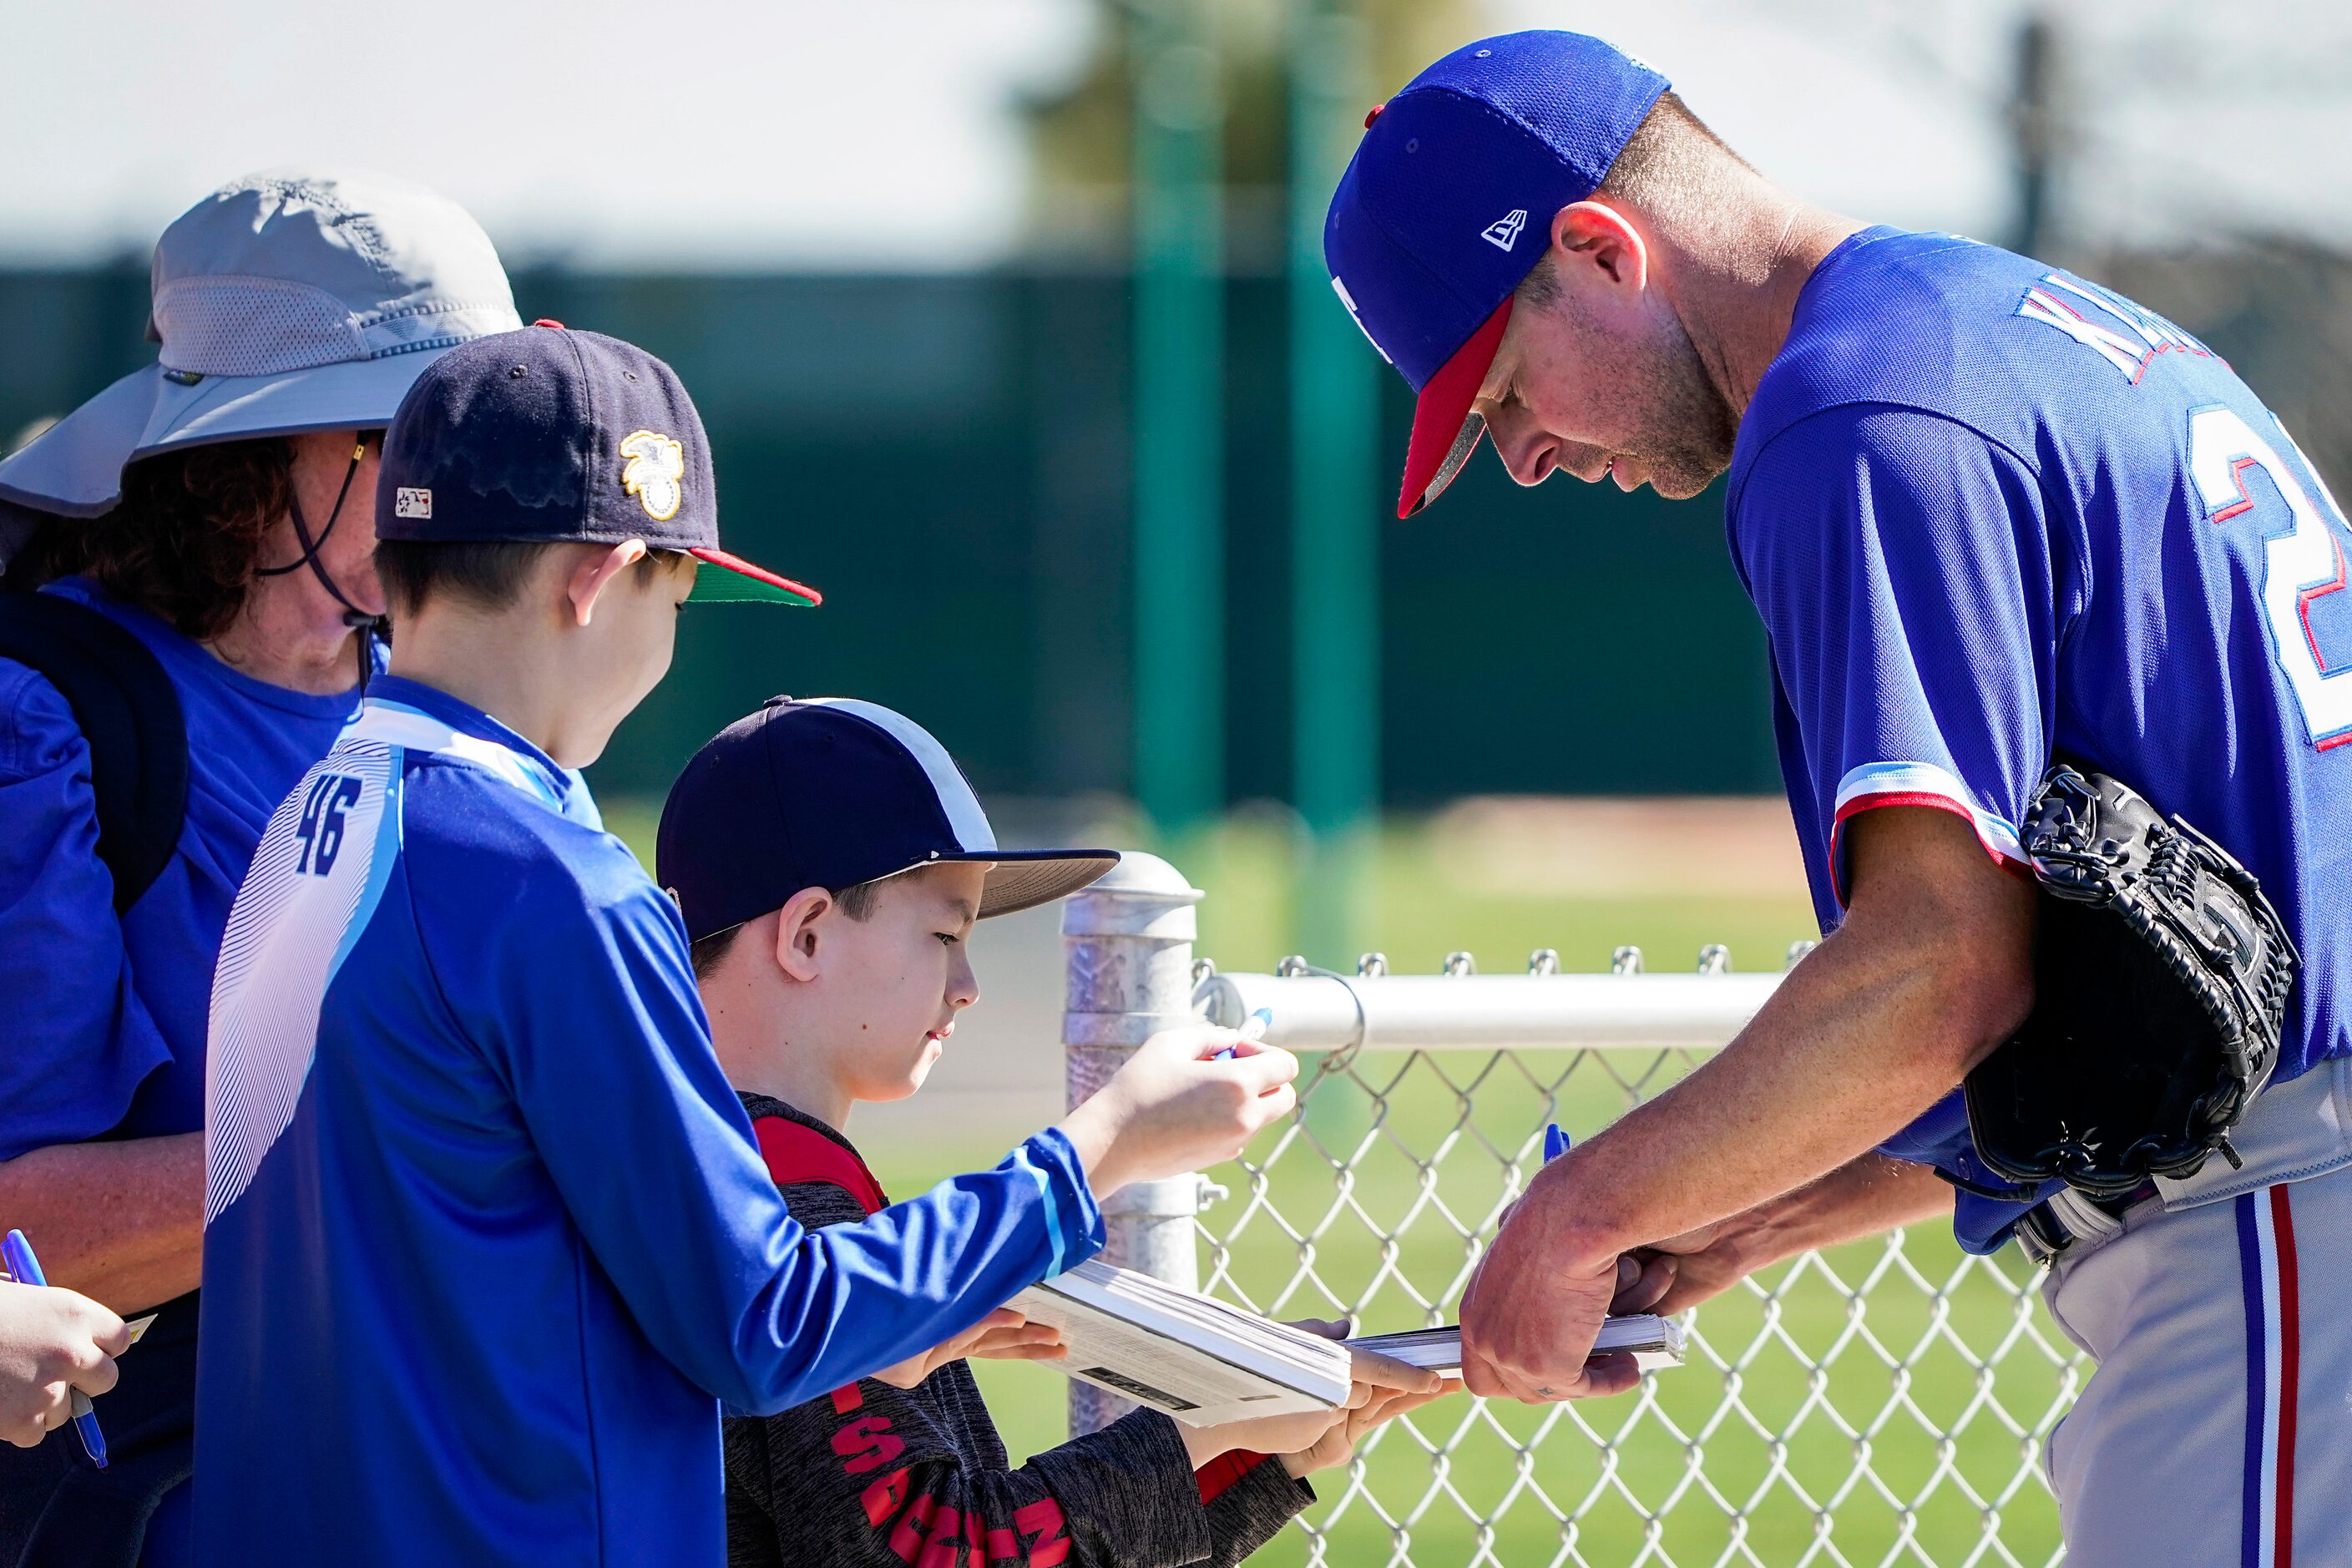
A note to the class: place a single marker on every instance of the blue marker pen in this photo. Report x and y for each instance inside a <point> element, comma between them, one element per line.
<point>1555,1142</point>
<point>1254,1027</point>
<point>25,1269</point>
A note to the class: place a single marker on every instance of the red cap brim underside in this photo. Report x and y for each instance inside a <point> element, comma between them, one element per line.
<point>1444,431</point>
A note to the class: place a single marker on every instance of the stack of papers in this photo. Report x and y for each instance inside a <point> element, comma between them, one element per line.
<point>1654,1341</point>
<point>1204,1360</point>
<point>1191,1356</point>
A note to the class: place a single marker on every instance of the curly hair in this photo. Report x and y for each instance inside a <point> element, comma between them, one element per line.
<point>184,541</point>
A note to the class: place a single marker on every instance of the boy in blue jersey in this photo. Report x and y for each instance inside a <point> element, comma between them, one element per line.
<point>1992,516</point>
<point>829,862</point>
<point>487,1240</point>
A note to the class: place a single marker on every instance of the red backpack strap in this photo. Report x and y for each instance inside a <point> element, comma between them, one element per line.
<point>798,1153</point>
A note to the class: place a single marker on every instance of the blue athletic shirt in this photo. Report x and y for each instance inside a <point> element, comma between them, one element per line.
<point>1993,514</point>
<point>106,1017</point>
<point>487,1236</point>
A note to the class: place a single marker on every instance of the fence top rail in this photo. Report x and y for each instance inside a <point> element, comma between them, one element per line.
<point>1320,1011</point>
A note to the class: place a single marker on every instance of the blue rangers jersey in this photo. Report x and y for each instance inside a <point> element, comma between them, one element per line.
<point>1993,514</point>
<point>487,1238</point>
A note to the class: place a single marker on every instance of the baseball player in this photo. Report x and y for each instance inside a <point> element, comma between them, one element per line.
<point>1992,516</point>
<point>478,1196</point>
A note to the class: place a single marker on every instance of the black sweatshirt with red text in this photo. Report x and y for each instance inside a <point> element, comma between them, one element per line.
<point>873,1474</point>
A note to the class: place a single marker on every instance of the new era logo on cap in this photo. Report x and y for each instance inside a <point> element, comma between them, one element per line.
<point>1505,230</point>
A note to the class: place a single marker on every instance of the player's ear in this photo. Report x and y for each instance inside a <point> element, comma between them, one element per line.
<point>1594,246</point>
<point>594,571</point>
<point>800,941</point>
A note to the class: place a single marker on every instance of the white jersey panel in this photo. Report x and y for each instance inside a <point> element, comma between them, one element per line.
<point>315,879</point>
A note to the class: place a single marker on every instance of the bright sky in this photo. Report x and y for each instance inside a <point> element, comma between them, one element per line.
<point>2185,112</point>
<point>695,132</point>
<point>856,133</point>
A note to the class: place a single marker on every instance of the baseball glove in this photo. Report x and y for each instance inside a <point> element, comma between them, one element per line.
<point>2160,976</point>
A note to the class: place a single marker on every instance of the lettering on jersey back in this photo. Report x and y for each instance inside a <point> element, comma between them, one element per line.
<point>2129,338</point>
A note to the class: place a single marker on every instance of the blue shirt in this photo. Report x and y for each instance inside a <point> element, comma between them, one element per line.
<point>487,1236</point>
<point>1993,515</point>
<point>106,1017</point>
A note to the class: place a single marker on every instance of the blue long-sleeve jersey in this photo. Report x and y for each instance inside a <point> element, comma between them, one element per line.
<point>487,1237</point>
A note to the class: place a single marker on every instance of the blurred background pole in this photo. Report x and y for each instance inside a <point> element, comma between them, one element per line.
<point>1179,557</point>
<point>1334,513</point>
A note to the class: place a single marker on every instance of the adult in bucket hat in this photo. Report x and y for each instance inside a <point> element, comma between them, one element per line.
<point>201,534</point>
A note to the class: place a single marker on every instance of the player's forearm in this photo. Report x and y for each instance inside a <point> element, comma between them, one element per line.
<point>1871,1029</point>
<point>1865,1196</point>
<point>122,1223</point>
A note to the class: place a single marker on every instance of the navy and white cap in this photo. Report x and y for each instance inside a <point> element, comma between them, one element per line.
<point>1447,207</point>
<point>552,436</point>
<point>830,792</point>
<point>285,301</point>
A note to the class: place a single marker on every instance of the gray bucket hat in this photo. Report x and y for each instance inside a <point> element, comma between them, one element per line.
<point>285,301</point>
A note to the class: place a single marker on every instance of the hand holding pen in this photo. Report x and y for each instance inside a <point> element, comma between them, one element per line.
<point>56,1349</point>
<point>1254,1027</point>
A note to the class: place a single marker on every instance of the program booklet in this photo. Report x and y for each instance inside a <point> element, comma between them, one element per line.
<point>1204,1360</point>
<point>1654,1342</point>
<point>1191,1356</point>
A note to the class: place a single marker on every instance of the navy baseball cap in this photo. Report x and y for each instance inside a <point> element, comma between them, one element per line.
<point>829,792</point>
<point>552,436</point>
<point>1447,206</point>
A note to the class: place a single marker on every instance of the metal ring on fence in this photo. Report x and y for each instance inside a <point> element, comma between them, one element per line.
<point>1544,961</point>
<point>1715,959</point>
<point>1461,963</point>
<point>1372,966</point>
<point>1626,960</point>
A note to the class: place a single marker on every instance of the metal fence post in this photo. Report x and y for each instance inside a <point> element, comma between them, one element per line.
<point>1128,961</point>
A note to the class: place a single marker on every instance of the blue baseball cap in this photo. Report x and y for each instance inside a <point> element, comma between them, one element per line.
<point>555,435</point>
<point>1447,206</point>
<point>830,792</point>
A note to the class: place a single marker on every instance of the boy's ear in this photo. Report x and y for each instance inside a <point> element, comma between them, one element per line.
<point>799,941</point>
<point>595,572</point>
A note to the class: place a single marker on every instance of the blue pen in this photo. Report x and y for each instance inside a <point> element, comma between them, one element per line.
<point>25,1269</point>
<point>1254,1027</point>
<point>1555,1142</point>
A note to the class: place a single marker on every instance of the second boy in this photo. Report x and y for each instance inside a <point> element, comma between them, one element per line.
<point>830,860</point>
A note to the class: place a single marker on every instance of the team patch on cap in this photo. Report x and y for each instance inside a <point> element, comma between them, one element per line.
<point>411,501</point>
<point>655,473</point>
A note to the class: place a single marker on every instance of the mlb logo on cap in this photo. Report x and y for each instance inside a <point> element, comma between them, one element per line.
<point>830,792</point>
<point>1447,206</point>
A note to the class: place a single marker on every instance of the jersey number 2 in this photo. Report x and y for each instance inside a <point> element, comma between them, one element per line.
<point>2302,563</point>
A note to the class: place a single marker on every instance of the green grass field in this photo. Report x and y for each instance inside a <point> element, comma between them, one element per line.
<point>1877,1404</point>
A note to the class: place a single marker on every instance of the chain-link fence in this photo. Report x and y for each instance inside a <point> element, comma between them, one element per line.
<point>1887,1402</point>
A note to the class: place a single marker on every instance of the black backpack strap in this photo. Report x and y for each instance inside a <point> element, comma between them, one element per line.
<point>129,712</point>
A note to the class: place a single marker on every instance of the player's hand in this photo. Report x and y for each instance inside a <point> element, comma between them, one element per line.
<point>52,1342</point>
<point>1171,1109</point>
<point>1684,1270</point>
<point>1536,1305</point>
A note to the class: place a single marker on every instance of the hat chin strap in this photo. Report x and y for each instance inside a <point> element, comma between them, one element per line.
<point>369,624</point>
